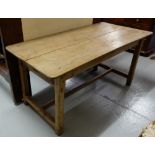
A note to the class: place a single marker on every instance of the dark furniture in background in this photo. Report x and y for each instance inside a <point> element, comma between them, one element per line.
<point>139,23</point>
<point>11,32</point>
<point>1,51</point>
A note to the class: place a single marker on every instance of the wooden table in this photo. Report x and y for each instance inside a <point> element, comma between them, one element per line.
<point>59,57</point>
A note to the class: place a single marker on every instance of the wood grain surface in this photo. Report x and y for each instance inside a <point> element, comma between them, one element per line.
<point>56,55</point>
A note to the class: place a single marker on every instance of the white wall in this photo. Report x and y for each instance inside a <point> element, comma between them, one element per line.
<point>38,27</point>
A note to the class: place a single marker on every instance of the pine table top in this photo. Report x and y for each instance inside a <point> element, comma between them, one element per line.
<point>61,53</point>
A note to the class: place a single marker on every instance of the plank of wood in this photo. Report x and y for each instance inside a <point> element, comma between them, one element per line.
<point>41,111</point>
<point>29,49</point>
<point>59,87</point>
<point>59,62</point>
<point>25,80</point>
<point>134,63</point>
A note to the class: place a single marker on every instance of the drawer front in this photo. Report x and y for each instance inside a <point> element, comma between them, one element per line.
<point>140,23</point>
<point>143,21</point>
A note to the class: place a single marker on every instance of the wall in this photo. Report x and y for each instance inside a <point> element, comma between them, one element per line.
<point>38,27</point>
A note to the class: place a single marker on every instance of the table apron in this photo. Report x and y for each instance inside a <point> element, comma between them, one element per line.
<point>84,67</point>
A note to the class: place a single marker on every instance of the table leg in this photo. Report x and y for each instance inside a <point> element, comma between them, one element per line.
<point>25,81</point>
<point>134,63</point>
<point>14,76</point>
<point>59,86</point>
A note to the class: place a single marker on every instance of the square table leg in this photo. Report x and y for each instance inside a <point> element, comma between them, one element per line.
<point>25,81</point>
<point>59,87</point>
<point>134,63</point>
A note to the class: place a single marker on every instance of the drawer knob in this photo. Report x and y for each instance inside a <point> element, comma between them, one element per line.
<point>137,20</point>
